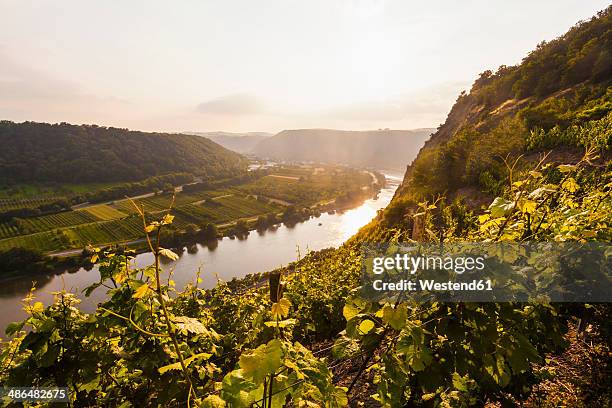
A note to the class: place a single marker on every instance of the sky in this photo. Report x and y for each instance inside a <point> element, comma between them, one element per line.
<point>268,65</point>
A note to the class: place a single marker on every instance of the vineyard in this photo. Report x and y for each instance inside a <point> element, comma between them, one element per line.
<point>108,232</point>
<point>295,186</point>
<point>54,221</point>
<point>161,202</point>
<point>9,204</point>
<point>102,224</point>
<point>294,339</point>
<point>42,241</point>
<point>8,229</point>
<point>104,212</point>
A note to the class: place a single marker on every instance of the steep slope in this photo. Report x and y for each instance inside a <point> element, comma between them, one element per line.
<point>562,88</point>
<point>41,152</point>
<point>388,149</point>
<point>238,142</point>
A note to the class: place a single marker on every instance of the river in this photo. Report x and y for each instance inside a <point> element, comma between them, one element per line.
<point>259,252</point>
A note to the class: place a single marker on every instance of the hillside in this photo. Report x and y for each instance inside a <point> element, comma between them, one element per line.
<point>239,142</point>
<point>557,99</point>
<point>385,149</point>
<point>40,152</point>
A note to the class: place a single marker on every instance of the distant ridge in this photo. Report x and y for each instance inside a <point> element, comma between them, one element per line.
<point>385,149</point>
<point>238,142</point>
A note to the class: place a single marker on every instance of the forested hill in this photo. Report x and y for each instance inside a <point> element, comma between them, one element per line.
<point>558,98</point>
<point>41,152</point>
<point>386,149</point>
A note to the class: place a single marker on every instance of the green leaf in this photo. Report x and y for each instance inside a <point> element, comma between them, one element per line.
<point>460,383</point>
<point>187,361</point>
<point>50,355</point>
<point>566,168</point>
<point>500,207</point>
<point>395,317</point>
<point>236,389</point>
<point>262,361</point>
<point>13,328</point>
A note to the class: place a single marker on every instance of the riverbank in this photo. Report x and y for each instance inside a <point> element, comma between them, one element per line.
<point>33,264</point>
<point>224,259</point>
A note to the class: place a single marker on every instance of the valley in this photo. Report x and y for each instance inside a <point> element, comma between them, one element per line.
<point>160,269</point>
<point>280,193</point>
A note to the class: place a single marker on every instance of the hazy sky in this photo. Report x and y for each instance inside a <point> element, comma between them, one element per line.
<point>260,65</point>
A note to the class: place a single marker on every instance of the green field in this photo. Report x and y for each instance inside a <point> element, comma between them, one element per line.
<point>42,241</point>
<point>8,204</point>
<point>8,229</point>
<point>127,229</point>
<point>105,224</point>
<point>223,210</point>
<point>161,202</point>
<point>118,221</point>
<point>53,221</point>
<point>318,184</point>
<point>104,212</point>
<point>53,190</point>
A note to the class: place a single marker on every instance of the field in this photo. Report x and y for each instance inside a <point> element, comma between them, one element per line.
<point>224,209</point>
<point>8,204</point>
<point>117,221</point>
<point>8,229</point>
<point>307,186</point>
<point>105,224</point>
<point>162,201</point>
<point>105,232</point>
<point>53,221</point>
<point>43,241</point>
<point>104,212</point>
<point>53,190</point>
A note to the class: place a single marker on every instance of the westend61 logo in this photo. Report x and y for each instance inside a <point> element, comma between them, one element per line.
<point>488,272</point>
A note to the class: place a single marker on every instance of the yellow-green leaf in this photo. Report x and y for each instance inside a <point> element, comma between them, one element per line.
<point>566,168</point>
<point>187,361</point>
<point>570,185</point>
<point>527,206</point>
<point>38,307</point>
<point>366,326</point>
<point>280,309</point>
<point>167,219</point>
<point>141,291</point>
<point>168,254</point>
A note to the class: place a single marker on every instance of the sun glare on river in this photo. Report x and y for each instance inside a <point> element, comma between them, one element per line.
<point>354,219</point>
